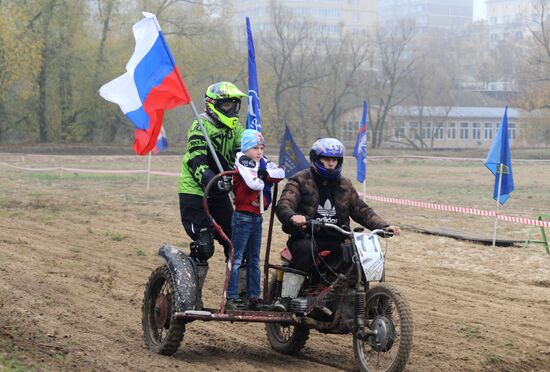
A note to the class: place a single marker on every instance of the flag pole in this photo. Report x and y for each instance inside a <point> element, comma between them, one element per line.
<point>365,183</point>
<point>148,170</point>
<point>498,204</point>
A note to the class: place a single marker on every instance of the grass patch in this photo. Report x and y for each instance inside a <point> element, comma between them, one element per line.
<point>140,253</point>
<point>494,362</point>
<point>13,365</point>
<point>114,236</point>
<point>471,332</point>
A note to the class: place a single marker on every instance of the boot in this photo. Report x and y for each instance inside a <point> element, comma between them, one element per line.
<point>202,270</point>
<point>290,289</point>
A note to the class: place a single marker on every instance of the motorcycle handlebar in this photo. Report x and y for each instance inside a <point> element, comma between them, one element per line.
<point>380,232</point>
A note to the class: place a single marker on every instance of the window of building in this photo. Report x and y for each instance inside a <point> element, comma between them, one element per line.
<point>451,130</point>
<point>464,131</point>
<point>512,131</point>
<point>438,131</point>
<point>356,16</point>
<point>399,131</point>
<point>476,130</point>
<point>413,130</point>
<point>349,131</point>
<point>488,133</point>
<point>427,130</point>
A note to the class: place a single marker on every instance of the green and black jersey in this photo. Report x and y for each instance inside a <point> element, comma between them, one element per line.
<point>198,166</point>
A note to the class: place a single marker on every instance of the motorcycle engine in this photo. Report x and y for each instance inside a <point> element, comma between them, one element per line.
<point>299,304</point>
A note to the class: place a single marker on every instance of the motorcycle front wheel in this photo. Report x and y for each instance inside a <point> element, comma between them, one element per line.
<point>388,314</point>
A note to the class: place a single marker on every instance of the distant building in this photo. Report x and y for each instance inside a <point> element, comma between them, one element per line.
<point>332,16</point>
<point>509,20</point>
<point>428,15</point>
<point>438,127</point>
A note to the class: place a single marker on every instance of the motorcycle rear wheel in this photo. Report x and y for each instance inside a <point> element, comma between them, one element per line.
<point>387,312</point>
<point>284,338</point>
<point>162,332</point>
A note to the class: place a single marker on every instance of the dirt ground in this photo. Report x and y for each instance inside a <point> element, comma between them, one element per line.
<point>76,251</point>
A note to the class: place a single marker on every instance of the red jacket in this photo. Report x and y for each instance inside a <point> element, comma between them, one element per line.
<point>248,185</point>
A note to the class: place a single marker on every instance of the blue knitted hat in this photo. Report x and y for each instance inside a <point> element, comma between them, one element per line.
<point>250,139</point>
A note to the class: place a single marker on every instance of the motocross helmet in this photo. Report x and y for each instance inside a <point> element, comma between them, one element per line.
<point>223,102</point>
<point>328,148</point>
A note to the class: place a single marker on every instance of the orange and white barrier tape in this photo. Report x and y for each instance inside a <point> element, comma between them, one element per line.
<point>452,208</point>
<point>384,199</point>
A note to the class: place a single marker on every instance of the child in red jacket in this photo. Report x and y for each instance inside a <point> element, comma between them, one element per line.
<point>247,219</point>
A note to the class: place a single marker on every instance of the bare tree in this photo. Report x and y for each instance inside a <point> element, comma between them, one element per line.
<point>394,62</point>
<point>344,63</point>
<point>431,85</point>
<point>291,51</point>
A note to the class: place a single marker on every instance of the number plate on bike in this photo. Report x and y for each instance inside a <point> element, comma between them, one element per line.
<point>372,259</point>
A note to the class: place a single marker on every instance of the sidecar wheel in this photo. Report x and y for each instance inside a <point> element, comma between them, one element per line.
<point>162,332</point>
<point>388,313</point>
<point>284,338</point>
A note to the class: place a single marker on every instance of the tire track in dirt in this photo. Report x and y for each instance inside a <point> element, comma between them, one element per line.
<point>72,281</point>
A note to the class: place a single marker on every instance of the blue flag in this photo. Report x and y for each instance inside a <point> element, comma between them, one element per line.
<point>291,158</point>
<point>360,150</point>
<point>253,121</point>
<point>499,162</point>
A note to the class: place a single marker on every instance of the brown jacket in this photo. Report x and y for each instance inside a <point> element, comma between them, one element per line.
<point>301,196</point>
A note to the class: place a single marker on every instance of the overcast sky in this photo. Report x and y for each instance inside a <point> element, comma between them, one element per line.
<point>479,9</point>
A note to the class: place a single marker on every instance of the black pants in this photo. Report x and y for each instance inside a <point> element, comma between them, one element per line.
<point>304,255</point>
<point>193,218</point>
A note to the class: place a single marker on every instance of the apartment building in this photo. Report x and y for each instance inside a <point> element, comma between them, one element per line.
<point>428,15</point>
<point>509,20</point>
<point>332,16</point>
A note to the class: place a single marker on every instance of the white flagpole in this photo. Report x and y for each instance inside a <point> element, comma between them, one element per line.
<point>365,190</point>
<point>148,170</point>
<point>499,168</point>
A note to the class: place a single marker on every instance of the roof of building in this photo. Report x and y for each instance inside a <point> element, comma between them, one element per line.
<point>456,112</point>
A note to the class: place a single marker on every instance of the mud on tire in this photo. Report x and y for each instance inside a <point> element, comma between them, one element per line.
<point>162,332</point>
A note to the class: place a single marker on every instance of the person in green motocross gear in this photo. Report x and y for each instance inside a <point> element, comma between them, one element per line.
<point>221,122</point>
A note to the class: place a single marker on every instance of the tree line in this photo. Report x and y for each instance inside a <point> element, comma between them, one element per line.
<point>55,54</point>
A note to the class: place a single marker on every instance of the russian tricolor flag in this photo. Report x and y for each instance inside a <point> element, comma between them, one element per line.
<point>162,142</point>
<point>151,84</point>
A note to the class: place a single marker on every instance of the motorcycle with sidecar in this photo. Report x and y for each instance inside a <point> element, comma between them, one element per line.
<point>354,301</point>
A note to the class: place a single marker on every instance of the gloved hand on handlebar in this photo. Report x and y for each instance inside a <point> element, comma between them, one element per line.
<point>393,229</point>
<point>224,184</point>
<point>299,220</point>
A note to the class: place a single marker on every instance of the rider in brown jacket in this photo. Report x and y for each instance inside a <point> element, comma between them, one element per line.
<point>321,193</point>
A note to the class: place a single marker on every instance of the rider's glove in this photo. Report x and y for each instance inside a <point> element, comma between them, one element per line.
<point>224,184</point>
